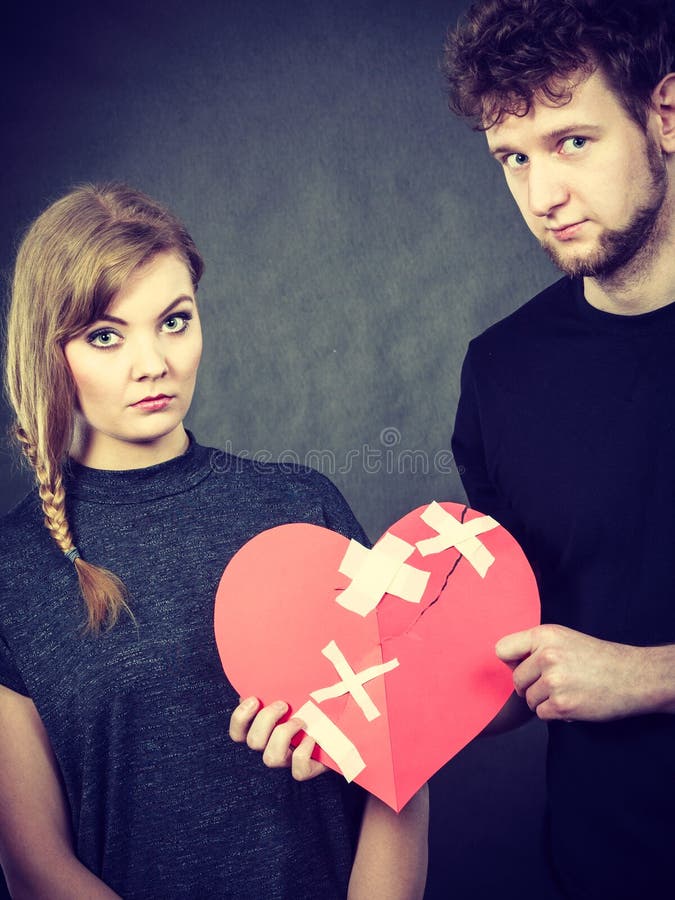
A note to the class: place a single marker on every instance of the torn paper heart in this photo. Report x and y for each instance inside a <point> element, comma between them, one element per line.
<point>387,654</point>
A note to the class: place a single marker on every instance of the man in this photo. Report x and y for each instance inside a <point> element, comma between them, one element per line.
<point>565,429</point>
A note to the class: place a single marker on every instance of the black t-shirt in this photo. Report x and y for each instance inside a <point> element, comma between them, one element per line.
<point>162,802</point>
<point>565,433</point>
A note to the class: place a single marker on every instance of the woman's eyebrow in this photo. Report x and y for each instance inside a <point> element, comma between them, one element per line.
<point>174,303</point>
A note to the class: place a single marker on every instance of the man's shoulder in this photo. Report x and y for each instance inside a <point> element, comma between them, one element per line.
<point>543,314</point>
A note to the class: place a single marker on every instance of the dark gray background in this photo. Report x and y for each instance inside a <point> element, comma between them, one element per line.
<point>356,237</point>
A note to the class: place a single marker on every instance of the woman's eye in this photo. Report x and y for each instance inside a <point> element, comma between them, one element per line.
<point>176,323</point>
<point>104,338</point>
<point>516,160</point>
<point>573,144</point>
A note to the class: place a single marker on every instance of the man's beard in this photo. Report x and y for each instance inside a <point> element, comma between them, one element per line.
<point>618,247</point>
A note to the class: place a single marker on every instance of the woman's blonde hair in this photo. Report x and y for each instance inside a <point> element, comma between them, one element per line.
<point>73,260</point>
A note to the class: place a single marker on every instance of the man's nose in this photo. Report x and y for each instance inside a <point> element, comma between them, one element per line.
<point>546,187</point>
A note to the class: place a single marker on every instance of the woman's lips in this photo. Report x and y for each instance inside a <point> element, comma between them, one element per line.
<point>153,404</point>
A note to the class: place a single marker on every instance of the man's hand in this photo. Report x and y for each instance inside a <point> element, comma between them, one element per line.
<point>564,674</point>
<point>259,729</point>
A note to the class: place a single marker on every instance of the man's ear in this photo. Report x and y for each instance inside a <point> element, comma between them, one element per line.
<point>663,100</point>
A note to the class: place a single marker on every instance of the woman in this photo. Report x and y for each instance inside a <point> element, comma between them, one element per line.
<point>117,777</point>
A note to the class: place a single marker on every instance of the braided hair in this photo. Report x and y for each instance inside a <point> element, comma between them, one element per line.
<point>73,260</point>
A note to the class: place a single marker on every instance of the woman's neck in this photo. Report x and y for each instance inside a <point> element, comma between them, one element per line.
<point>101,451</point>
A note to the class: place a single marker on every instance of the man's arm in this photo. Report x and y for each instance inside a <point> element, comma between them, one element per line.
<point>513,714</point>
<point>564,674</point>
<point>560,673</point>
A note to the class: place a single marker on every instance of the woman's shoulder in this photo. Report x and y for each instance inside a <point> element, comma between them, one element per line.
<point>22,516</point>
<point>261,471</point>
<point>21,528</point>
<point>25,548</point>
<point>297,491</point>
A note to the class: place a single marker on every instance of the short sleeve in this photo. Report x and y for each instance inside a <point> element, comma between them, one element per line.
<point>9,674</point>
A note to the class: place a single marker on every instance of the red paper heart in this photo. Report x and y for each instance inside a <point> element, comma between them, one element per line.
<point>276,611</point>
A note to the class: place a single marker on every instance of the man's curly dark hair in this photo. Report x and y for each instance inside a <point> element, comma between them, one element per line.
<point>504,53</point>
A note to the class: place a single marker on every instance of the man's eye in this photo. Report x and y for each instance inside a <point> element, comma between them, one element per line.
<point>574,144</point>
<point>516,160</point>
<point>103,338</point>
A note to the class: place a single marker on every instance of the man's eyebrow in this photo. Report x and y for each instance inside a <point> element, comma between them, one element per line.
<point>499,151</point>
<point>174,303</point>
<point>574,129</point>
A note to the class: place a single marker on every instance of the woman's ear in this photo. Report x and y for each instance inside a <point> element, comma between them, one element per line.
<point>664,105</point>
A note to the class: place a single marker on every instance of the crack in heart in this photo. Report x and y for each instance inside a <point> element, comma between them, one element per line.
<point>431,602</point>
<point>445,583</point>
<point>406,632</point>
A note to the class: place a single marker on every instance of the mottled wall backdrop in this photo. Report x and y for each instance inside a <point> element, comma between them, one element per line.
<point>356,238</point>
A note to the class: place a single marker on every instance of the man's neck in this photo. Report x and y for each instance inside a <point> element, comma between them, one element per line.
<point>647,282</point>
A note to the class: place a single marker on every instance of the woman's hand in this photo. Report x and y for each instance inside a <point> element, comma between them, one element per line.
<point>261,729</point>
<point>391,858</point>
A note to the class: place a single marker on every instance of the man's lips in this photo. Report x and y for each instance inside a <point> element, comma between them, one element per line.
<point>566,232</point>
<point>159,401</point>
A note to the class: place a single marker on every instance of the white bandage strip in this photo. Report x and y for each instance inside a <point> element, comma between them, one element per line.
<point>379,571</point>
<point>352,682</point>
<point>331,739</point>
<point>461,535</point>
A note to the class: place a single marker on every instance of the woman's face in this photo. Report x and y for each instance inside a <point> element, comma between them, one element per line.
<point>135,370</point>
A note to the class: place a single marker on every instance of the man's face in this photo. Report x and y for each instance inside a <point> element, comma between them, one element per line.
<point>591,185</point>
